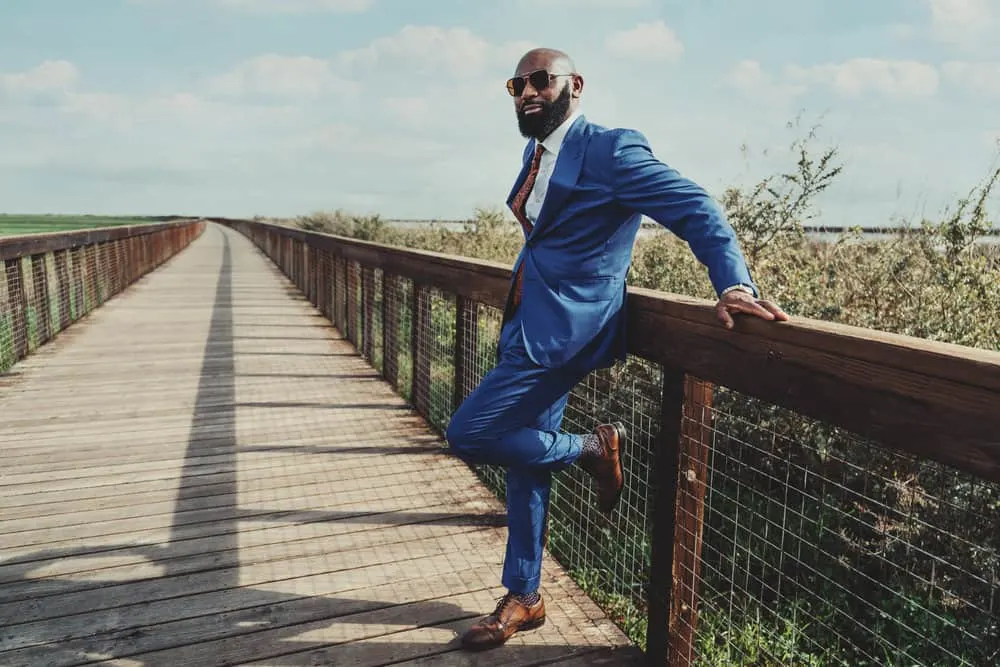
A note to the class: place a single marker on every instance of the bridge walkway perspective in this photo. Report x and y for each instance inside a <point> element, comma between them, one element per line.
<point>203,471</point>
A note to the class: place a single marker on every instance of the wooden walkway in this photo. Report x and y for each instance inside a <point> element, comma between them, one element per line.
<point>204,473</point>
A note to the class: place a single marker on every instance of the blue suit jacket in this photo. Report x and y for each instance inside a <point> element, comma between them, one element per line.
<point>578,254</point>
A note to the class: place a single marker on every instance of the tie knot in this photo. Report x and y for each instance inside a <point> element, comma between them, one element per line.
<point>539,149</point>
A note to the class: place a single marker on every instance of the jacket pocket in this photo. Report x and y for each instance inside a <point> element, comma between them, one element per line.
<point>595,288</point>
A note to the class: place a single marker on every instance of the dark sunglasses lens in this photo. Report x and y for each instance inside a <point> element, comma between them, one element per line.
<point>539,80</point>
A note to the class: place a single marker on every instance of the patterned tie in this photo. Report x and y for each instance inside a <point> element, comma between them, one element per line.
<point>518,207</point>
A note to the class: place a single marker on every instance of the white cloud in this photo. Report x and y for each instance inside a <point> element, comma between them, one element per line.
<point>120,115</point>
<point>412,111</point>
<point>957,20</point>
<point>282,76</point>
<point>750,77</point>
<point>352,140</point>
<point>299,6</point>
<point>433,50</point>
<point>904,32</point>
<point>647,40</point>
<point>979,77</point>
<point>860,75</point>
<point>280,6</point>
<point>49,76</point>
<point>588,4</point>
<point>747,75</point>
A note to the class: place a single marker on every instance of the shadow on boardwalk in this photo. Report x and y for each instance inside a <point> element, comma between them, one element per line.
<point>190,602</point>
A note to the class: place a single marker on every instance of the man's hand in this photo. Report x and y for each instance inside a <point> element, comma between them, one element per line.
<point>739,301</point>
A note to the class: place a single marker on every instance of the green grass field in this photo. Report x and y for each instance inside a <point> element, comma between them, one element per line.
<point>16,225</point>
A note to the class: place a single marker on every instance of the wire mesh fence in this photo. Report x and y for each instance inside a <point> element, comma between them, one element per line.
<point>822,548</point>
<point>49,283</point>
<point>783,540</point>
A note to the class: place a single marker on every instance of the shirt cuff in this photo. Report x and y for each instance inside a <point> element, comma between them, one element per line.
<point>741,287</point>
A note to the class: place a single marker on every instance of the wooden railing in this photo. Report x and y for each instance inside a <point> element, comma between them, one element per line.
<point>825,480</point>
<point>52,280</point>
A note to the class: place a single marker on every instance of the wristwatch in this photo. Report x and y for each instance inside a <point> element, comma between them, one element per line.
<point>739,286</point>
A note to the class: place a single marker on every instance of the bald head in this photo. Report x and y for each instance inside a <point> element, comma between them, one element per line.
<point>553,60</point>
<point>546,88</point>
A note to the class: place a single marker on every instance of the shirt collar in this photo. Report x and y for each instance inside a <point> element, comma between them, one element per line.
<point>554,141</point>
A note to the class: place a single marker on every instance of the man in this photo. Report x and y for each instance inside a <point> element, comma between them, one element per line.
<point>579,198</point>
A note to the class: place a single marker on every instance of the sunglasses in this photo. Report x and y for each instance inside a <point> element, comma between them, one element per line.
<point>539,80</point>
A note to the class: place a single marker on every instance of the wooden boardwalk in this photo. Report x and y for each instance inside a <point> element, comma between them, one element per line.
<point>204,473</point>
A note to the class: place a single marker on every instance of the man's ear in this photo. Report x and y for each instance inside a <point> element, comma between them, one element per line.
<point>577,85</point>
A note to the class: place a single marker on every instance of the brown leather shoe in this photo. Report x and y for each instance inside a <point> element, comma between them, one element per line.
<point>509,617</point>
<point>606,469</point>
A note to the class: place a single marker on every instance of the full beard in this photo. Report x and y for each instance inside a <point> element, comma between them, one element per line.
<point>540,125</point>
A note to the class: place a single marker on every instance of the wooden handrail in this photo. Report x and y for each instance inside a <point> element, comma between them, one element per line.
<point>33,244</point>
<point>932,399</point>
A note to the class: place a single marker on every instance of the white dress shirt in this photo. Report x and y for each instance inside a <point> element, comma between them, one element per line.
<point>551,144</point>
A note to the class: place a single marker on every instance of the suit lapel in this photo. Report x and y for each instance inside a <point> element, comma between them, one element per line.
<point>564,176</point>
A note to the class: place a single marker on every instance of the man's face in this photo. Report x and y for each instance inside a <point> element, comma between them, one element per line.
<point>543,96</point>
<point>538,116</point>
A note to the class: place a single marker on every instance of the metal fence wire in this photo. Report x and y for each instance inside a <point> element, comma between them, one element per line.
<point>792,542</point>
<point>49,283</point>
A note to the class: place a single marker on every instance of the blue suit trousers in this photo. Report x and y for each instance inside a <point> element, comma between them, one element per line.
<point>512,419</point>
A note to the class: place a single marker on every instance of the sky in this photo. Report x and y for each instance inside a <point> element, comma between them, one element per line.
<point>398,107</point>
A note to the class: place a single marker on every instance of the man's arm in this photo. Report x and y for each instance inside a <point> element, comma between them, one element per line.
<point>646,185</point>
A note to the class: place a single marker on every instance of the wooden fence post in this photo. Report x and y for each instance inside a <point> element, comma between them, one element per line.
<point>390,329</point>
<point>420,341</point>
<point>466,346</point>
<point>41,303</point>
<point>14,269</point>
<point>368,306</point>
<point>692,477</point>
<point>680,467</point>
<point>660,588</point>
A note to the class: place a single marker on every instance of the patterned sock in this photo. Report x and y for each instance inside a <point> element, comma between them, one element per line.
<point>527,599</point>
<point>592,445</point>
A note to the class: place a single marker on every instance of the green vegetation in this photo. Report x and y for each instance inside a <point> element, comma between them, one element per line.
<point>16,225</point>
<point>820,548</point>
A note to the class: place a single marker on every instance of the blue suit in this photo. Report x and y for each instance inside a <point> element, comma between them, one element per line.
<point>571,318</point>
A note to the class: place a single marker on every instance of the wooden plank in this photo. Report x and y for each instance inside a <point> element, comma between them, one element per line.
<point>299,487</point>
<point>113,561</point>
<point>689,513</point>
<point>353,501</point>
<point>346,622</point>
<point>578,656</point>
<point>659,592</point>
<point>171,574</point>
<point>212,498</point>
<point>245,612</point>
<point>884,350</point>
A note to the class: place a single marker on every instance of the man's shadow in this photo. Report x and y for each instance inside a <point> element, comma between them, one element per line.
<point>183,598</point>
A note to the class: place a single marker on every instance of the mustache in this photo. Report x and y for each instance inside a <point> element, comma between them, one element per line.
<point>545,106</point>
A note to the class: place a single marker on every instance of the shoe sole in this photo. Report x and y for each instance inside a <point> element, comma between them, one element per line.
<point>533,625</point>
<point>621,433</point>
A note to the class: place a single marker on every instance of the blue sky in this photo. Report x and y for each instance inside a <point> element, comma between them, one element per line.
<point>282,107</point>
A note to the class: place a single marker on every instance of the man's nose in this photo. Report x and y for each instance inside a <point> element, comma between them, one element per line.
<point>529,91</point>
